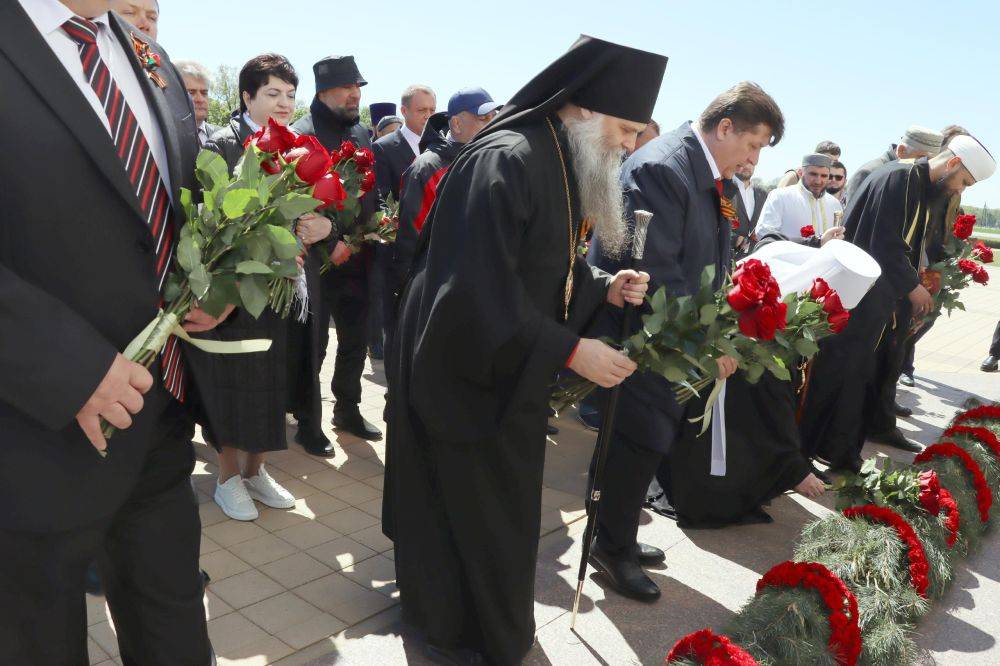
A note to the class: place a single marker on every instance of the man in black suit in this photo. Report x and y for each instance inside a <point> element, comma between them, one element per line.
<point>197,81</point>
<point>82,261</point>
<point>749,203</point>
<point>394,153</point>
<point>333,118</point>
<point>680,177</point>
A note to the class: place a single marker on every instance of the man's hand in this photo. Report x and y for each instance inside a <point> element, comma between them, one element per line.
<point>833,233</point>
<point>117,397</point>
<point>199,321</point>
<point>601,364</point>
<point>727,366</point>
<point>810,486</point>
<point>341,253</point>
<point>922,301</point>
<point>312,228</point>
<point>628,286</point>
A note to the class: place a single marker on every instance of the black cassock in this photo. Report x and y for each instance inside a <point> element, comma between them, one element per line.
<point>479,341</point>
<point>847,397</point>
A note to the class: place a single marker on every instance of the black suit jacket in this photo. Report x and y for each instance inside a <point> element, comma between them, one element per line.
<point>77,279</point>
<point>671,178</point>
<point>392,156</point>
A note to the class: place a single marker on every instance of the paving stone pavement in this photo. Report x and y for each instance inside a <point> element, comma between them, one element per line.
<point>315,584</point>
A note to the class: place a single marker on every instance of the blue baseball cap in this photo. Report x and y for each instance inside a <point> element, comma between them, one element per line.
<point>474,100</point>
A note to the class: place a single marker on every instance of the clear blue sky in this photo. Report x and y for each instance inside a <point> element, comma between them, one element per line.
<point>854,72</point>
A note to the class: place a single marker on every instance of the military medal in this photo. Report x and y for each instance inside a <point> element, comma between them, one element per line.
<point>149,61</point>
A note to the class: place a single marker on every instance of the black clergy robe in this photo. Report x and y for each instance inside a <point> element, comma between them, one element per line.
<point>479,341</point>
<point>848,395</point>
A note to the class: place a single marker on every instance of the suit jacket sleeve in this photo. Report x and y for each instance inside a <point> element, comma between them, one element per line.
<point>383,171</point>
<point>51,359</point>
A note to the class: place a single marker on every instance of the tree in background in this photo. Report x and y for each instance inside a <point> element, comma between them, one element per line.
<point>224,98</point>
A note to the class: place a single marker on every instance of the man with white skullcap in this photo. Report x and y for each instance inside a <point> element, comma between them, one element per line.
<point>805,204</point>
<point>915,143</point>
<point>852,391</point>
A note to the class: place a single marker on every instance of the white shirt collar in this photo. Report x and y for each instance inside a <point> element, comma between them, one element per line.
<point>411,137</point>
<point>740,184</point>
<point>716,174</point>
<point>49,15</point>
<point>249,121</point>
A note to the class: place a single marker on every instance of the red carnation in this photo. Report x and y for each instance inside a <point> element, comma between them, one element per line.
<point>364,159</point>
<point>984,496</point>
<point>981,413</point>
<point>312,162</point>
<point>982,252</point>
<point>981,275</point>
<point>820,288</point>
<point>347,150</point>
<point>967,266</point>
<point>330,191</point>
<point>930,491</point>
<point>915,554</point>
<point>807,231</point>
<point>274,138</point>
<point>963,226</point>
<point>707,647</point>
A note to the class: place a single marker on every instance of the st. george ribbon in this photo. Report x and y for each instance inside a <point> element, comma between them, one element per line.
<point>642,218</point>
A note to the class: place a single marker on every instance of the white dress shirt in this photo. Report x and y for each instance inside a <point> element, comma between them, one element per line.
<point>48,17</point>
<point>412,138</point>
<point>788,209</point>
<point>749,198</point>
<point>716,174</point>
<point>203,133</point>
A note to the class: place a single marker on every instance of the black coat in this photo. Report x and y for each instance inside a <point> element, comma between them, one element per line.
<point>393,155</point>
<point>246,396</point>
<point>77,279</point>
<point>866,169</point>
<point>420,182</point>
<point>671,178</point>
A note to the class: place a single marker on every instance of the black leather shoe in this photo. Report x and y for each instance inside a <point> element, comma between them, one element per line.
<point>819,474</point>
<point>906,380</point>
<point>900,411</point>
<point>649,554</point>
<point>990,364</point>
<point>551,429</point>
<point>662,506</point>
<point>895,439</point>
<point>315,444</point>
<point>357,425</point>
<point>590,420</point>
<point>625,576</point>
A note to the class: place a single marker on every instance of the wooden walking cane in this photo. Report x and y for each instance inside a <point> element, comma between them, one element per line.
<point>642,219</point>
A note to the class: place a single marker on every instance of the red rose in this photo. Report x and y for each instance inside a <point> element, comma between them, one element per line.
<point>744,295</point>
<point>368,181</point>
<point>963,226</point>
<point>330,190</point>
<point>762,322</point>
<point>336,157</point>
<point>930,492</point>
<point>269,164</point>
<point>772,292</point>
<point>967,266</point>
<point>838,320</point>
<point>312,162</point>
<point>807,231</point>
<point>820,288</point>
<point>347,150</point>
<point>364,159</point>
<point>981,275</point>
<point>832,304</point>
<point>983,252</point>
<point>274,138</point>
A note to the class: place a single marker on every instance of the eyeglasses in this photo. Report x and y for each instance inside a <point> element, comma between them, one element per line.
<point>837,177</point>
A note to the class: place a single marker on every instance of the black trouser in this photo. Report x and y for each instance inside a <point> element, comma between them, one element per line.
<point>148,557</point>
<point>628,472</point>
<point>345,298</point>
<point>889,356</point>
<point>378,287</point>
<point>911,346</point>
<point>995,344</point>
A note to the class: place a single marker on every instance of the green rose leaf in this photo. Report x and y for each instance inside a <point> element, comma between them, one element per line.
<point>252,266</point>
<point>285,245</point>
<point>673,374</point>
<point>806,348</point>
<point>754,372</point>
<point>211,170</point>
<point>223,292</point>
<point>708,314</point>
<point>200,280</point>
<point>236,202</point>
<point>293,204</point>
<point>658,300</point>
<point>188,252</point>
<point>254,294</point>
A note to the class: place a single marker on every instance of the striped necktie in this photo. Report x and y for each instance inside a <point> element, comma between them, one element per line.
<point>140,167</point>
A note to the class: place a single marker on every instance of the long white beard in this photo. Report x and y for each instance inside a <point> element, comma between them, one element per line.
<point>596,169</point>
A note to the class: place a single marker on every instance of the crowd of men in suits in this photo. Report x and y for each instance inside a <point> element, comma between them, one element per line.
<point>120,135</point>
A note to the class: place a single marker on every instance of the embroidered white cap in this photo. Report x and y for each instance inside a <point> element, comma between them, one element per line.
<point>974,156</point>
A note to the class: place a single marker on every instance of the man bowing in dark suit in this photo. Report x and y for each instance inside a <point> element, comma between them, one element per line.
<point>99,144</point>
<point>682,178</point>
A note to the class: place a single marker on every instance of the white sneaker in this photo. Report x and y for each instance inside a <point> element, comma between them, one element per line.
<point>233,499</point>
<point>267,491</point>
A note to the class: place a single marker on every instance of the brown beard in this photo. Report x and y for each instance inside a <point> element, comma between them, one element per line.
<point>596,169</point>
